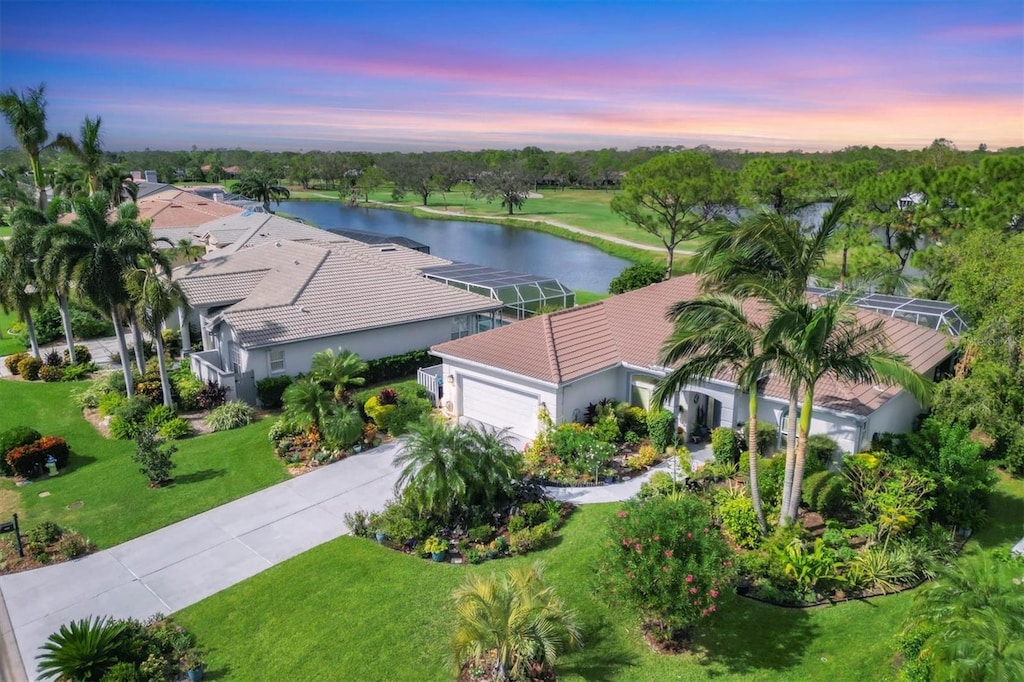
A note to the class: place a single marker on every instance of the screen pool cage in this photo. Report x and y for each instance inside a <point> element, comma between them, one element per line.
<point>938,315</point>
<point>521,295</point>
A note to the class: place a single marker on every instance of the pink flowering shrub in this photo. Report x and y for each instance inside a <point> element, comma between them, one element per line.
<point>669,561</point>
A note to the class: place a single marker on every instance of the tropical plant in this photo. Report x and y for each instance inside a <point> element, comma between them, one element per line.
<point>26,115</point>
<point>87,151</point>
<point>972,621</point>
<point>231,415</point>
<point>81,650</point>
<point>261,186</point>
<point>98,252</point>
<point>19,290</point>
<point>309,407</point>
<point>155,296</point>
<point>338,371</point>
<point>517,624</point>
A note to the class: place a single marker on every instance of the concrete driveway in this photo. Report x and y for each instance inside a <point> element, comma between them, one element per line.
<point>182,564</point>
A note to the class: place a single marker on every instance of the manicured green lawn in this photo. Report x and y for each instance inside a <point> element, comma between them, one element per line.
<point>117,503</point>
<point>352,610</point>
<point>5,231</point>
<point>585,297</point>
<point>8,344</point>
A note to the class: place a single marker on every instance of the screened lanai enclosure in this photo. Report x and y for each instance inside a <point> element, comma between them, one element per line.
<point>522,295</point>
<point>938,315</point>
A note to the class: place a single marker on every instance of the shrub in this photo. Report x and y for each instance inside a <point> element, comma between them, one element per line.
<point>153,457</point>
<point>387,396</point>
<point>188,387</point>
<point>767,435</point>
<point>661,427</point>
<point>660,483</point>
<point>129,417</point>
<point>530,538</point>
<point>669,561</point>
<point>358,523</point>
<point>175,429</point>
<point>810,569</point>
<point>76,372</point>
<point>72,546</point>
<point>820,451</point>
<point>637,276</point>
<point>29,368</point>
<point>90,395</point>
<point>28,461</point>
<point>231,415</point>
<point>270,390</point>
<point>481,534</point>
<point>172,341</point>
<point>725,445</point>
<point>643,459</point>
<point>376,411</point>
<point>211,395</point>
<point>82,355</point>
<point>13,361</point>
<point>887,570</point>
<point>740,522</point>
<point>770,474</point>
<point>110,403</point>
<point>14,437</point>
<point>397,366</point>
<point>823,492</point>
<point>606,428</point>
<point>52,359</point>
<point>46,533</point>
<point>631,418</point>
<point>408,411</point>
<point>158,415</point>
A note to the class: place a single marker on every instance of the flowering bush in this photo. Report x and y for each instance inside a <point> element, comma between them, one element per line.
<point>669,561</point>
<point>29,460</point>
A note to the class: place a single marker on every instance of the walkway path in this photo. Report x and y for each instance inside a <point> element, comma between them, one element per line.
<point>186,562</point>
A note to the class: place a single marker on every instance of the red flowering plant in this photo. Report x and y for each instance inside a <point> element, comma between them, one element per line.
<point>669,561</point>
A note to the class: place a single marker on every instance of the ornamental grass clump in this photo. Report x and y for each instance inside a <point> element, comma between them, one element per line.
<point>670,562</point>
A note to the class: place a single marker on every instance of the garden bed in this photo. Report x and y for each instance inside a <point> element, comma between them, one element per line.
<point>43,545</point>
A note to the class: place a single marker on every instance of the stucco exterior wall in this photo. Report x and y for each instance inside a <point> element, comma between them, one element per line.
<point>576,395</point>
<point>454,372</point>
<point>897,415</point>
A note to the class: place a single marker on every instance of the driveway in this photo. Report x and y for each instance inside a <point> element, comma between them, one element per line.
<point>182,564</point>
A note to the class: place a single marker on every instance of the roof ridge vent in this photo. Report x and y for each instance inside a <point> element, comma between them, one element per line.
<point>303,309</point>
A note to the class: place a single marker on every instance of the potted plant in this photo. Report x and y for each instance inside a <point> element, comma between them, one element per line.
<point>436,547</point>
<point>381,537</point>
<point>193,661</point>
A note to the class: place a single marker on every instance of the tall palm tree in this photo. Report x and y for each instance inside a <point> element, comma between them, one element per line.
<point>98,252</point>
<point>709,334</point>
<point>88,151</point>
<point>828,341</point>
<point>339,371</point>
<point>435,467</point>
<point>772,258</point>
<point>118,183</point>
<point>156,297</point>
<point>516,623</point>
<point>974,616</point>
<point>307,405</point>
<point>26,114</point>
<point>261,186</point>
<point>19,290</point>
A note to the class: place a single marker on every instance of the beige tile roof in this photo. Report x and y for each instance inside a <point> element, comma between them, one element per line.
<point>288,291</point>
<point>631,329</point>
<point>174,207</point>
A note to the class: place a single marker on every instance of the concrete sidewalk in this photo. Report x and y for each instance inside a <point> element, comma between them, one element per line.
<point>184,563</point>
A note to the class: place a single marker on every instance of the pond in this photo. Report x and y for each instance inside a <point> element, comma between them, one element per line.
<point>576,265</point>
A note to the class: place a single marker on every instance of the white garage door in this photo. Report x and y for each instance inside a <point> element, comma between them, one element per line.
<point>500,407</point>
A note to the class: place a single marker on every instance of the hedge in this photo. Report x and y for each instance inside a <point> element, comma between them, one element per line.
<point>271,389</point>
<point>398,366</point>
<point>29,460</point>
<point>823,492</point>
<point>14,437</point>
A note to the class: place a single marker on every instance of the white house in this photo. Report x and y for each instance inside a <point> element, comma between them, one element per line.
<point>566,360</point>
<point>265,307</point>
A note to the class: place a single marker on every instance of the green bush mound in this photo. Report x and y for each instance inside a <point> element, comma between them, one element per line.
<point>14,437</point>
<point>231,415</point>
<point>823,492</point>
<point>270,390</point>
<point>396,407</point>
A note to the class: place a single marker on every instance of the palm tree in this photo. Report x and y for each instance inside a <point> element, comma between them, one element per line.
<point>97,253</point>
<point>709,334</point>
<point>82,649</point>
<point>973,615</point>
<point>88,151</point>
<point>338,371</point>
<point>496,466</point>
<point>828,341</point>
<point>306,406</point>
<point>26,114</point>
<point>116,181</point>
<point>772,258</point>
<point>435,467</point>
<point>517,623</point>
<point>155,296</point>
<point>18,289</point>
<point>261,186</point>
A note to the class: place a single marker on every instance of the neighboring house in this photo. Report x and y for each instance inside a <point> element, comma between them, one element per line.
<point>266,307</point>
<point>565,360</point>
<point>171,207</point>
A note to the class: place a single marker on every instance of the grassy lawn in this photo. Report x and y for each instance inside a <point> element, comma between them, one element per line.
<point>5,231</point>
<point>585,297</point>
<point>118,505</point>
<point>352,610</point>
<point>8,344</point>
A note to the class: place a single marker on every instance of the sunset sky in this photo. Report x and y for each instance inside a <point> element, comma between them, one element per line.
<point>559,75</point>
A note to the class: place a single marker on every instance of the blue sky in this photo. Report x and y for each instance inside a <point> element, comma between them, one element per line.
<point>569,75</point>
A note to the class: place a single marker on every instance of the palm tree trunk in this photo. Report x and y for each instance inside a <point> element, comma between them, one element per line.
<point>65,318</point>
<point>787,481</point>
<point>37,173</point>
<point>122,347</point>
<point>30,329</point>
<point>165,381</point>
<point>801,453</point>
<point>140,351</point>
<point>752,453</point>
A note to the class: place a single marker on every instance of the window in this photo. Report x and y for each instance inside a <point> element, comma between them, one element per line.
<point>236,359</point>
<point>276,356</point>
<point>460,326</point>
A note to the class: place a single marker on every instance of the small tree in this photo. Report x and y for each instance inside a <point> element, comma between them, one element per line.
<point>637,276</point>
<point>510,184</point>
<point>669,561</point>
<point>153,457</point>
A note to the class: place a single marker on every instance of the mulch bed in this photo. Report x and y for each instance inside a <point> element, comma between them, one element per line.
<point>482,673</point>
<point>682,643</point>
<point>10,562</point>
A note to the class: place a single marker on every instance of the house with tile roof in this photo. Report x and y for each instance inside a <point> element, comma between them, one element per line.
<point>264,307</point>
<point>565,360</point>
